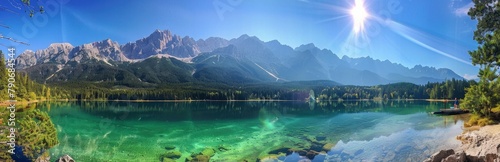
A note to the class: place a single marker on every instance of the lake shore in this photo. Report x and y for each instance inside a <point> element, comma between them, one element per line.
<point>478,144</point>
<point>7,102</point>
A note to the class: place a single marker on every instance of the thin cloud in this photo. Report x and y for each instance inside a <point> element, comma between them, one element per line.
<point>470,77</point>
<point>462,11</point>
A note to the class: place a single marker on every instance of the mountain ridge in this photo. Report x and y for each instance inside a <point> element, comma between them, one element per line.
<point>248,55</point>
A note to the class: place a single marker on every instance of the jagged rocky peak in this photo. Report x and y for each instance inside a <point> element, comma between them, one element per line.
<point>306,47</point>
<point>240,39</point>
<point>160,38</point>
<point>106,45</point>
<point>274,42</point>
<point>211,43</point>
<point>106,50</point>
<point>346,58</point>
<point>26,59</point>
<point>161,42</point>
<point>58,47</point>
<point>106,42</point>
<point>54,53</point>
<point>54,49</point>
<point>244,36</point>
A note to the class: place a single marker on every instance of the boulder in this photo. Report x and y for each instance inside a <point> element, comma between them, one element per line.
<point>65,158</point>
<point>458,157</point>
<point>441,155</point>
<point>492,157</point>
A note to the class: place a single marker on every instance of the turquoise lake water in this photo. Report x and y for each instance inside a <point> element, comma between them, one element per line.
<point>358,130</point>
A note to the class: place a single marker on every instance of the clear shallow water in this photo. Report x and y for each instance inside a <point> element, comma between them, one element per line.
<point>361,130</point>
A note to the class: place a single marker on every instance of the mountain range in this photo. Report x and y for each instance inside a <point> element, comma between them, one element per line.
<point>163,57</point>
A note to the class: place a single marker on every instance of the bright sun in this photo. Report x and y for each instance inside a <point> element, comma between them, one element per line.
<point>359,15</point>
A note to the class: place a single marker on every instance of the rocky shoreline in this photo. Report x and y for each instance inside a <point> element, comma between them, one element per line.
<point>482,145</point>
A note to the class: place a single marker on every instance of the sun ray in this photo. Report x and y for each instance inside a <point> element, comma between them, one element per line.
<point>332,19</point>
<point>416,37</point>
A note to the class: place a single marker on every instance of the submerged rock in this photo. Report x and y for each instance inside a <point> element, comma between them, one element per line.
<point>223,148</point>
<point>320,138</point>
<point>301,152</point>
<point>200,158</point>
<point>171,155</point>
<point>328,146</point>
<point>170,147</point>
<point>165,159</point>
<point>286,151</point>
<point>43,159</point>
<point>316,147</point>
<point>208,152</point>
<point>203,156</point>
<point>271,157</point>
<point>311,154</point>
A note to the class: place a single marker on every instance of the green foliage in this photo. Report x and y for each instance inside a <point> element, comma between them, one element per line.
<point>32,96</point>
<point>476,120</point>
<point>160,70</point>
<point>219,68</point>
<point>3,78</point>
<point>151,71</point>
<point>481,99</point>
<point>487,14</point>
<point>37,133</point>
<point>323,91</point>
<point>4,117</point>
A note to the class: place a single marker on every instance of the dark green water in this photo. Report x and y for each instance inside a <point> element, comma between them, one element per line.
<point>362,130</point>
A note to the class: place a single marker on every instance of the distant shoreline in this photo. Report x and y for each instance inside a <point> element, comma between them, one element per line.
<point>6,103</point>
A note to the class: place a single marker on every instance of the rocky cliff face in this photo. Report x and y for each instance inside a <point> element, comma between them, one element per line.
<point>161,42</point>
<point>62,53</point>
<point>56,53</point>
<point>105,50</point>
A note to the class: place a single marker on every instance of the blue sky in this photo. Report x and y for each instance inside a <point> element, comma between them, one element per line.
<point>434,33</point>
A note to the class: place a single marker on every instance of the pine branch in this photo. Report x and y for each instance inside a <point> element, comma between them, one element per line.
<point>13,40</point>
<point>5,26</point>
<point>7,9</point>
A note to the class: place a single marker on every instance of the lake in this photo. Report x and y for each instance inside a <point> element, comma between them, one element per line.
<point>237,131</point>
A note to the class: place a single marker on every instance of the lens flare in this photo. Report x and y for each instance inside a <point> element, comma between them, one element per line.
<point>359,15</point>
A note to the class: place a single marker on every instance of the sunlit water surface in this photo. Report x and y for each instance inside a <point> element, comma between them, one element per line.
<point>359,130</point>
